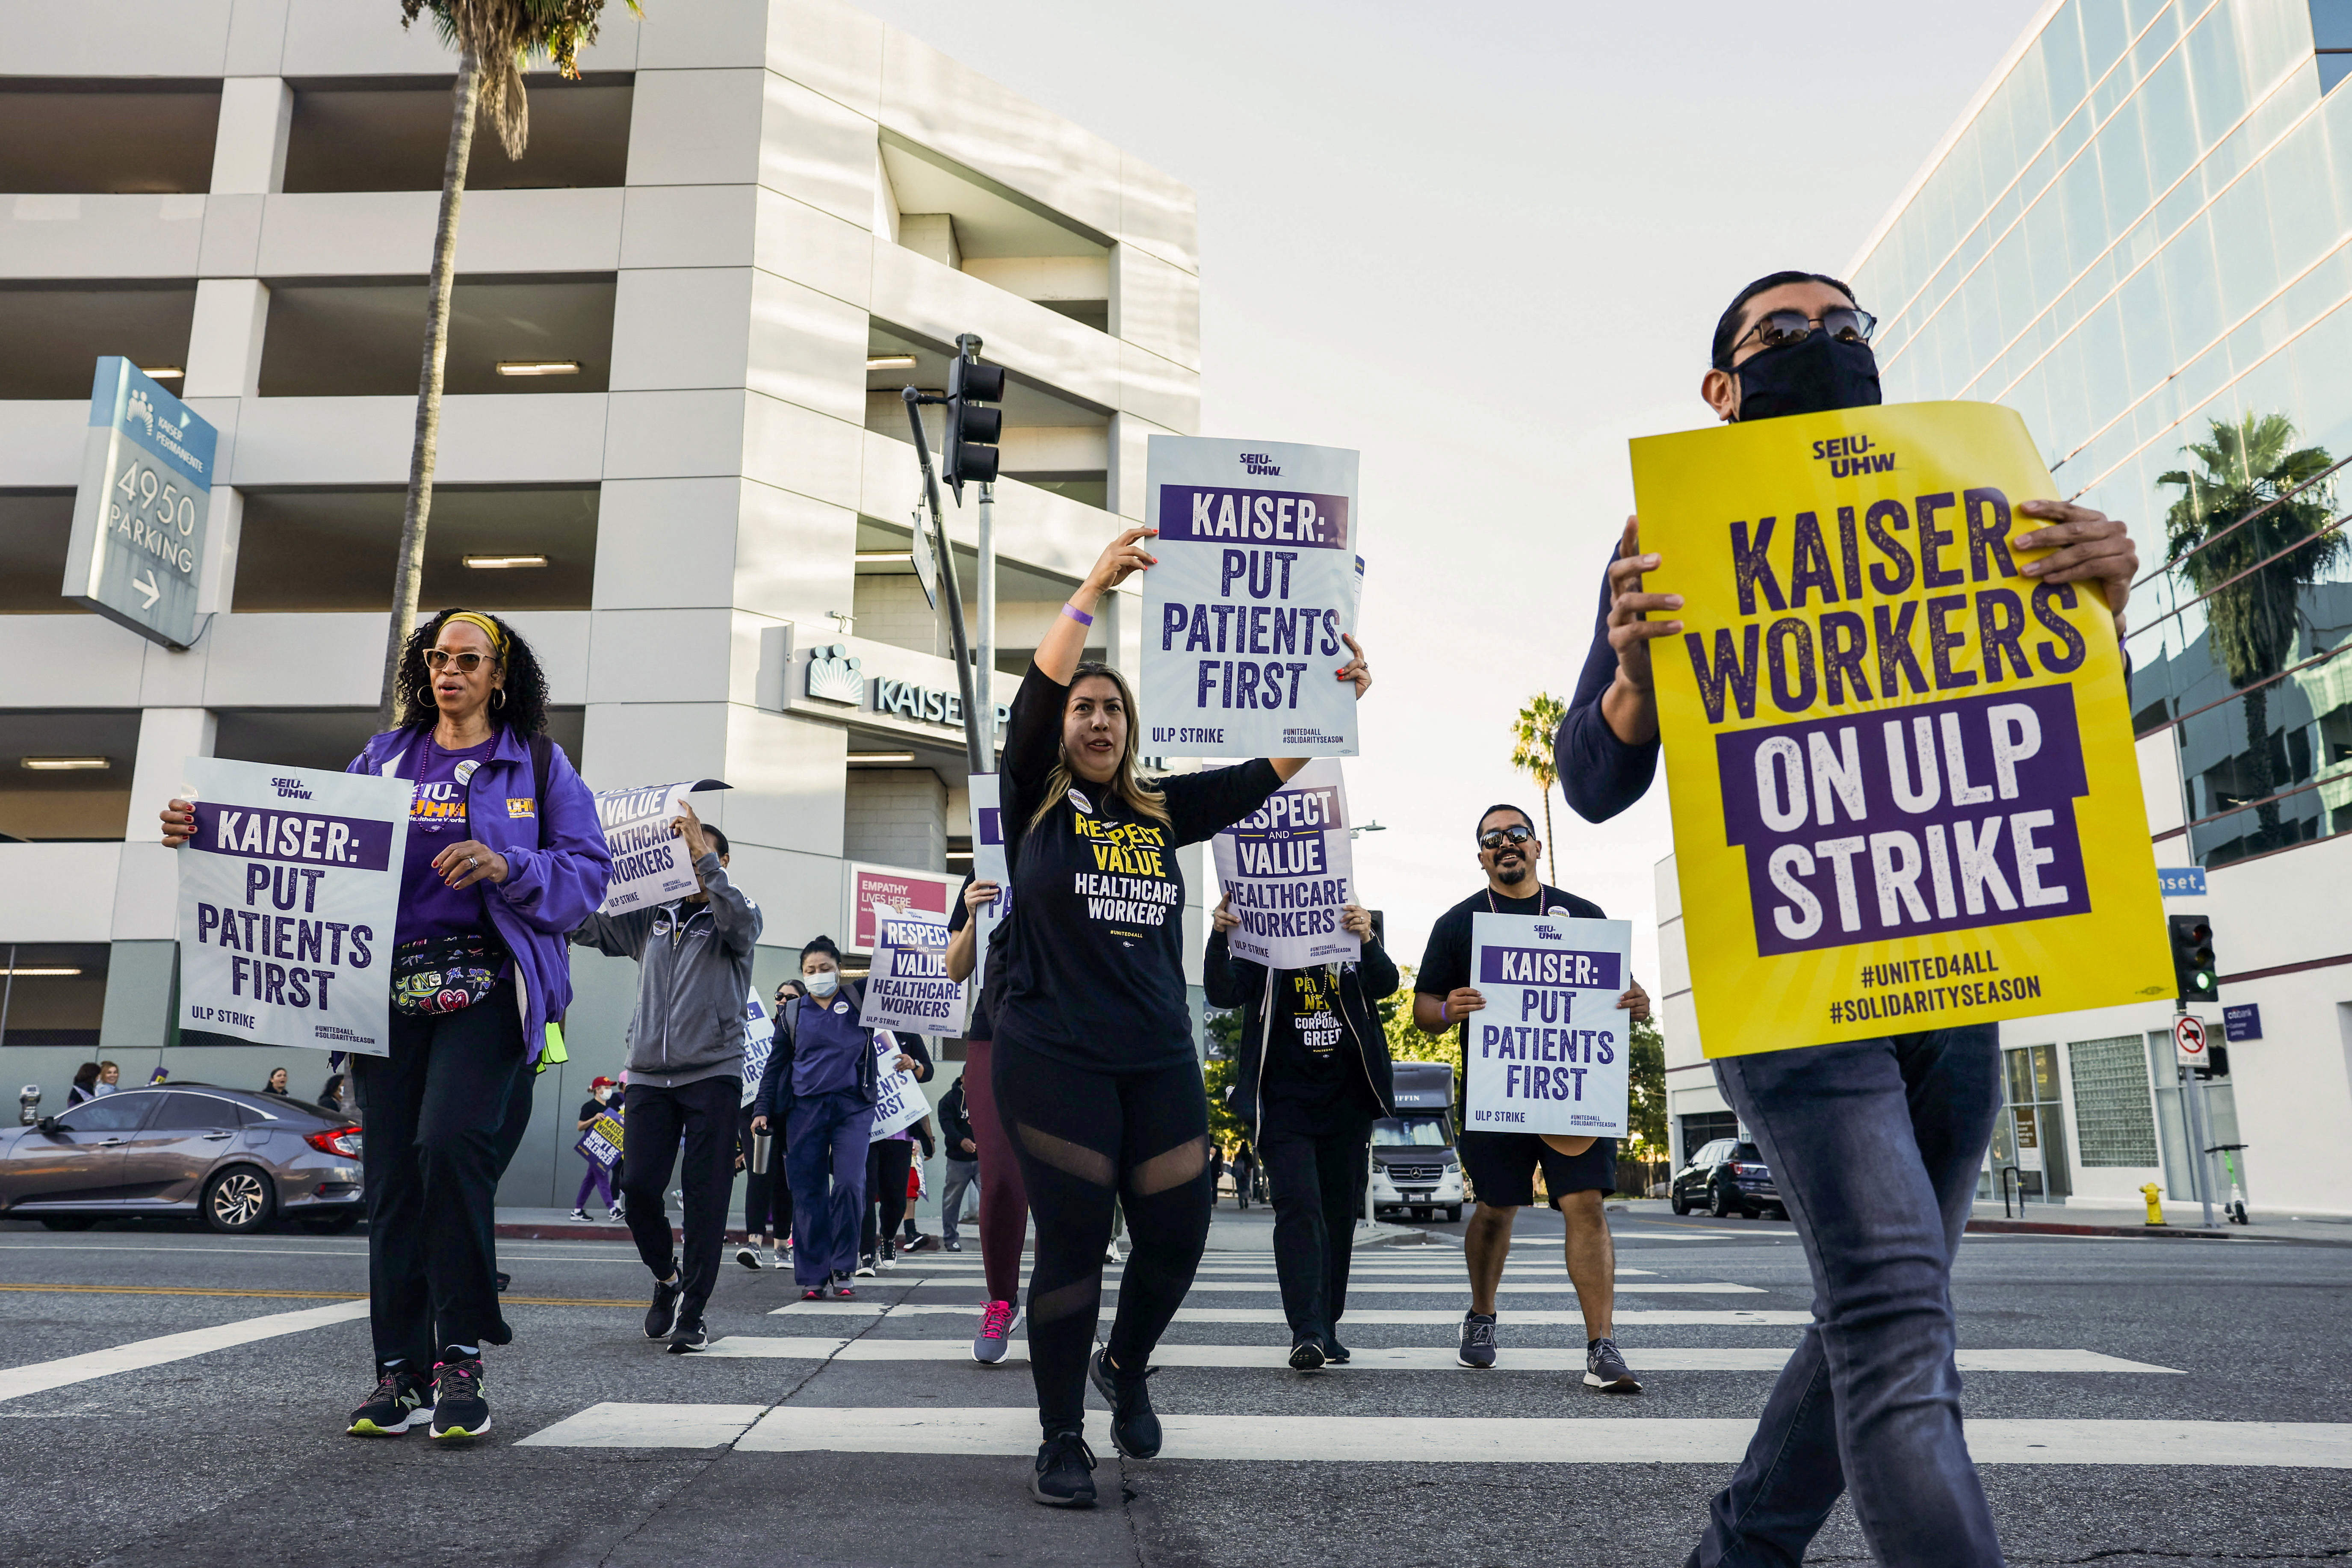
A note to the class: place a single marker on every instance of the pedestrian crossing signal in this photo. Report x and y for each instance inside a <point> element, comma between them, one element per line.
<point>2194,972</point>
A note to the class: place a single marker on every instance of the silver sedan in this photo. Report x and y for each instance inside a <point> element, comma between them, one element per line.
<point>235,1157</point>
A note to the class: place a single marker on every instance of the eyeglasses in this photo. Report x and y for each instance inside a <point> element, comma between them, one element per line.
<point>1499,837</point>
<point>1776,329</point>
<point>436,658</point>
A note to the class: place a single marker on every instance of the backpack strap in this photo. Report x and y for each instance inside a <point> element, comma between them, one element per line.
<point>542,752</point>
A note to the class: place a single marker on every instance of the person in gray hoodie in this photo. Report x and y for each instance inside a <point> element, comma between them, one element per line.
<point>686,1073</point>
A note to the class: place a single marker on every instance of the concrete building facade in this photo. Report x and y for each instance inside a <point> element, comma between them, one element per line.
<point>2142,228</point>
<point>746,227</point>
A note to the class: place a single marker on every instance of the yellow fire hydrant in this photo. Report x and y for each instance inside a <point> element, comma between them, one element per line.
<point>2155,1209</point>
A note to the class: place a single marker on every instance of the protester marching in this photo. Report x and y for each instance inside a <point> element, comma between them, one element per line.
<point>502,859</point>
<point>1057,974</point>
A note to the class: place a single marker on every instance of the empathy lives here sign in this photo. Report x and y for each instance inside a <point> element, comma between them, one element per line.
<point>1905,795</point>
<point>287,895</point>
<point>1243,616</point>
<point>1547,1053</point>
<point>1289,870</point>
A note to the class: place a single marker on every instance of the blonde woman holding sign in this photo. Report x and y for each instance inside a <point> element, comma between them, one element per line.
<point>1094,1068</point>
<point>505,858</point>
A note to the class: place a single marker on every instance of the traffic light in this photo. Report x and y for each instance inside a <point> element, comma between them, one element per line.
<point>973,430</point>
<point>2193,971</point>
<point>2216,1062</point>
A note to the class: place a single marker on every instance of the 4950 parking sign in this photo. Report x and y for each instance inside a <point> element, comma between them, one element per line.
<point>1255,585</point>
<point>287,895</point>
<point>1547,1053</point>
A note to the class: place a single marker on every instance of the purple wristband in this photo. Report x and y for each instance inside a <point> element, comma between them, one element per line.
<point>1077,614</point>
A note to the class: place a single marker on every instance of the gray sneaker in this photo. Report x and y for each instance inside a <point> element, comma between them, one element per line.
<point>1477,1340</point>
<point>1605,1368</point>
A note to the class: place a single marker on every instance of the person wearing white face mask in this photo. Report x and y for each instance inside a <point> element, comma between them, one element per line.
<point>820,1088</point>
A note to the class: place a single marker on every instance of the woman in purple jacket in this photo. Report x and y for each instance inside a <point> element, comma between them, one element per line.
<point>495,877</point>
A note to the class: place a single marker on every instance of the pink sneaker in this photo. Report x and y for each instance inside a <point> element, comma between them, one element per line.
<point>996,1324</point>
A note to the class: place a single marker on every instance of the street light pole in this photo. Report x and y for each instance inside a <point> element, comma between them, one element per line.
<point>972,731</point>
<point>984,675</point>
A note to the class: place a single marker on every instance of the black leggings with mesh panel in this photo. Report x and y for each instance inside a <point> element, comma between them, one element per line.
<point>1084,1139</point>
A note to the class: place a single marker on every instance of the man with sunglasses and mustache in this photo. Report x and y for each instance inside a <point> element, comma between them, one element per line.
<point>1502,1165</point>
<point>1874,1144</point>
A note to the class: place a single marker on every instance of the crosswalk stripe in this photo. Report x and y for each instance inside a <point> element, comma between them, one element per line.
<point>1398,1358</point>
<point>1460,1439</point>
<point>1361,1270</point>
<point>139,1355</point>
<point>1450,1282</point>
<point>616,1425</point>
<point>1732,1315</point>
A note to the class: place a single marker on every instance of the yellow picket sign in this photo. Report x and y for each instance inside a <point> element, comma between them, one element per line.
<point>1905,793</point>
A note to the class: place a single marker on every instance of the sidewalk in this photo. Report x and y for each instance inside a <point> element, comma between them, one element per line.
<point>1230,1231</point>
<point>2183,1221</point>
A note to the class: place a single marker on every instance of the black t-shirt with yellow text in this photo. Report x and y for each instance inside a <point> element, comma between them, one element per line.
<point>1095,969</point>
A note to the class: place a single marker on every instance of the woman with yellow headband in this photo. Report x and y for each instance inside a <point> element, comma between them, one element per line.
<point>499,871</point>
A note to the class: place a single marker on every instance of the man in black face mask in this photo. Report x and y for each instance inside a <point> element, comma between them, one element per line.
<point>1874,1144</point>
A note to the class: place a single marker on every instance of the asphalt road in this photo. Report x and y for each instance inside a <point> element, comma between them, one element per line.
<point>236,1454</point>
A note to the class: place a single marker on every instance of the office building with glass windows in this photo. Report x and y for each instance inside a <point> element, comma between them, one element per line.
<point>2138,232</point>
<point>673,449</point>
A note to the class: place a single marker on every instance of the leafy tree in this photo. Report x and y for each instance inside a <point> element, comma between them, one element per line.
<point>1645,1062</point>
<point>1531,753</point>
<point>2251,622</point>
<point>494,40</point>
<point>1224,1028</point>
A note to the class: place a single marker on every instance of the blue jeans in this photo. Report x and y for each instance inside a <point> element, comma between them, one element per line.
<point>1876,1146</point>
<point>961,1174</point>
<point>824,1143</point>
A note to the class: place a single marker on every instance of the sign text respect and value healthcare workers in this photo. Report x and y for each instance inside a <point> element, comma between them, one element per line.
<point>1547,1053</point>
<point>1257,582</point>
<point>136,551</point>
<point>1904,789</point>
<point>1288,868</point>
<point>289,891</point>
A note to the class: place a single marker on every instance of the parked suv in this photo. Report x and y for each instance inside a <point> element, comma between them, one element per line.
<point>234,1157</point>
<point>1724,1178</point>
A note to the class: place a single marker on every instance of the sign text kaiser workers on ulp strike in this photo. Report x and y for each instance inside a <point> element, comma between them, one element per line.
<point>1928,818</point>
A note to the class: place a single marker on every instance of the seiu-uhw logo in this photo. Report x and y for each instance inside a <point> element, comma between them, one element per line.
<point>290,789</point>
<point>141,409</point>
<point>1852,454</point>
<point>1259,463</point>
<point>1551,931</point>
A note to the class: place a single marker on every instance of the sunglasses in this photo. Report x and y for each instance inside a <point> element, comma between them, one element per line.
<point>437,658</point>
<point>1496,837</point>
<point>1776,329</point>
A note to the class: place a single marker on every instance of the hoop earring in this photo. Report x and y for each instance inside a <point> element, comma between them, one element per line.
<point>499,698</point>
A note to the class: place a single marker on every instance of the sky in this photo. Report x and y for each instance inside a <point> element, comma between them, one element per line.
<point>1484,245</point>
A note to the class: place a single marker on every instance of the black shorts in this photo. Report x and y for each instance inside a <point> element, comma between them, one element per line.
<point>1502,1168</point>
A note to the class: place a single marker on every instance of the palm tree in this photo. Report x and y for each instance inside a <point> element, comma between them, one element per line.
<point>494,39</point>
<point>2247,468</point>
<point>1531,753</point>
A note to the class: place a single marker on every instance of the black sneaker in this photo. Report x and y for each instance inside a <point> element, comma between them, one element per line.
<point>865,1267</point>
<point>1605,1370</point>
<point>689,1337</point>
<point>662,1316</point>
<point>1333,1352</point>
<point>398,1402</point>
<point>843,1290</point>
<point>889,1257</point>
<point>1306,1354</point>
<point>1066,1472</point>
<point>1134,1426</point>
<point>459,1411</point>
<point>1477,1340</point>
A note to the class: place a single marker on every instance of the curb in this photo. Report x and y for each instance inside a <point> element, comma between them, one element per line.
<point>2157,1232</point>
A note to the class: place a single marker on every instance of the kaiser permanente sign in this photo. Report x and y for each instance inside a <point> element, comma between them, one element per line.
<point>138,540</point>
